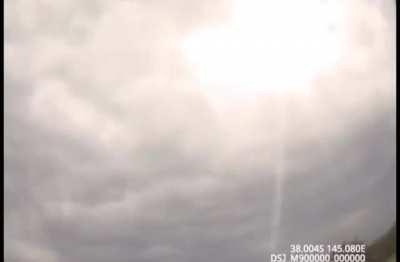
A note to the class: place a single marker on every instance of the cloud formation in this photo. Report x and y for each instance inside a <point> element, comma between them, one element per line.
<point>114,152</point>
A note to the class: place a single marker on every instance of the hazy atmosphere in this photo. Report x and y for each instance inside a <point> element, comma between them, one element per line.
<point>183,130</point>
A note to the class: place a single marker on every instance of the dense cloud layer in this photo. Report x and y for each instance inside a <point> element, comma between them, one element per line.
<point>114,153</point>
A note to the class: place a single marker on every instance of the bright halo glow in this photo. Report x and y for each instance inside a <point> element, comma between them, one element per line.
<point>266,46</point>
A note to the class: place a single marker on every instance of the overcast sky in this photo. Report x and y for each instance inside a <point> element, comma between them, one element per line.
<point>116,151</point>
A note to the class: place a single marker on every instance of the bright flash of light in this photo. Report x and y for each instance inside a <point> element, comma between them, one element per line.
<point>266,46</point>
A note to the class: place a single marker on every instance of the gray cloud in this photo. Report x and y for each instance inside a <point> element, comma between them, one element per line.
<point>113,153</point>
